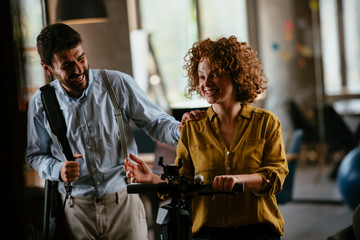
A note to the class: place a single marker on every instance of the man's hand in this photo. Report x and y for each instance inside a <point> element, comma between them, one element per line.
<point>193,115</point>
<point>70,170</point>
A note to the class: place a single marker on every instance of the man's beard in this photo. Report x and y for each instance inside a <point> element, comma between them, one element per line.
<point>76,86</point>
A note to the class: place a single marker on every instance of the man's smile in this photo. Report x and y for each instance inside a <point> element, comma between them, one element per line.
<point>78,78</point>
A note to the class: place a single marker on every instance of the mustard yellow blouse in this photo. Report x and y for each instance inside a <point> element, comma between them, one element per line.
<point>257,147</point>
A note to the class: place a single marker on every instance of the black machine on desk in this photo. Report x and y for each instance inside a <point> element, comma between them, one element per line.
<point>175,218</point>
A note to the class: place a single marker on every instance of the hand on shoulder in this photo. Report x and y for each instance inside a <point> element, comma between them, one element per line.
<point>192,116</point>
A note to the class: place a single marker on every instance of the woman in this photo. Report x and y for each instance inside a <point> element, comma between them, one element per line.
<point>234,142</point>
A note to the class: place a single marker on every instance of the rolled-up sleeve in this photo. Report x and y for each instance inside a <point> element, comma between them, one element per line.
<point>275,168</point>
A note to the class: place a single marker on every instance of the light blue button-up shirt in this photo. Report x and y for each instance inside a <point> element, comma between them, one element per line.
<point>92,131</point>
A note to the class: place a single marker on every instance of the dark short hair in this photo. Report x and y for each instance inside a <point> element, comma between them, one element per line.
<point>56,38</point>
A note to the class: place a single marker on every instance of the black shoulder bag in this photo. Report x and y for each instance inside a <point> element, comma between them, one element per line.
<point>53,203</point>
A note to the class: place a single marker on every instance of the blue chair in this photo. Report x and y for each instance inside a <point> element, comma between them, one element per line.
<point>292,154</point>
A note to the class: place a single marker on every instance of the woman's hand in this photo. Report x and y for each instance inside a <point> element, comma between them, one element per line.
<point>253,182</point>
<point>138,172</point>
<point>225,182</point>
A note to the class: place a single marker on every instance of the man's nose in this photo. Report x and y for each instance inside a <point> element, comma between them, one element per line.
<point>78,67</point>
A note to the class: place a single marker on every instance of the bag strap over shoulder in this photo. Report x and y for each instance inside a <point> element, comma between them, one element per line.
<point>118,113</point>
<point>56,119</point>
<point>58,127</point>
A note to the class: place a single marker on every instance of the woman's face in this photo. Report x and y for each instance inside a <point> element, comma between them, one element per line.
<point>216,89</point>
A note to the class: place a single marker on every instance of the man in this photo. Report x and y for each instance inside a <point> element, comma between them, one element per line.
<point>99,205</point>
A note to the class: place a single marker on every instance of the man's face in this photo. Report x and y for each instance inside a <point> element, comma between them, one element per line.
<point>71,68</point>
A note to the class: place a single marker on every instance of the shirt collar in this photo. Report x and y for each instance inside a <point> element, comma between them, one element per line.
<point>211,114</point>
<point>245,112</point>
<point>91,79</point>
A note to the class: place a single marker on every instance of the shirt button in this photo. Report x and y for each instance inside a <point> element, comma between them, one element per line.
<point>227,153</point>
<point>98,183</point>
<point>228,168</point>
<point>89,147</point>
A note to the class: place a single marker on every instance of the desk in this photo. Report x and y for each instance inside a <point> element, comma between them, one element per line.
<point>178,109</point>
<point>350,111</point>
<point>148,158</point>
<point>349,107</point>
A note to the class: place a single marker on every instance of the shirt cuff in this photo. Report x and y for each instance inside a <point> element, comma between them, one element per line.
<point>269,185</point>
<point>55,174</point>
<point>178,134</point>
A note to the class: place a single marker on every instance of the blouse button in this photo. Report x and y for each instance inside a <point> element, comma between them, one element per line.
<point>227,153</point>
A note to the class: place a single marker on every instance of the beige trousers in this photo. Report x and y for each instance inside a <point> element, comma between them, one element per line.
<point>115,216</point>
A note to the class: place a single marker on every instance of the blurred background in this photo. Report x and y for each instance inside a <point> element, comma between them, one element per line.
<point>311,55</point>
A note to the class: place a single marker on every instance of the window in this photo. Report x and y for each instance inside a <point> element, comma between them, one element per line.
<point>172,32</point>
<point>330,46</point>
<point>31,23</point>
<point>335,82</point>
<point>351,11</point>
<point>223,18</point>
<point>173,27</point>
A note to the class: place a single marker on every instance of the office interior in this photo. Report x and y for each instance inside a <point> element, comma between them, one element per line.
<point>311,55</point>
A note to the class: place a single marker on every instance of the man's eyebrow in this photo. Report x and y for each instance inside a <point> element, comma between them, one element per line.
<point>70,62</point>
<point>66,63</point>
<point>83,54</point>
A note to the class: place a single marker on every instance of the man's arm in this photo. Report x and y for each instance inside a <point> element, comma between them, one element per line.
<point>40,147</point>
<point>145,114</point>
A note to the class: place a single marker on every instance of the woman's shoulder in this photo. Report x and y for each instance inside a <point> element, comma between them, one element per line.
<point>197,125</point>
<point>264,113</point>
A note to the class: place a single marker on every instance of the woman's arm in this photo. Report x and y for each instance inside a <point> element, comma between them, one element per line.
<point>253,182</point>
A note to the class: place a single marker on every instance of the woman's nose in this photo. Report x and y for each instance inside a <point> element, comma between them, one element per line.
<point>206,81</point>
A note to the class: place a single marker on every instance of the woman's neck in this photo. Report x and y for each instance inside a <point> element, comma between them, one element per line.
<point>227,113</point>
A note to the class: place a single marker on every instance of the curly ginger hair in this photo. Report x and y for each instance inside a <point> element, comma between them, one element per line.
<point>227,56</point>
